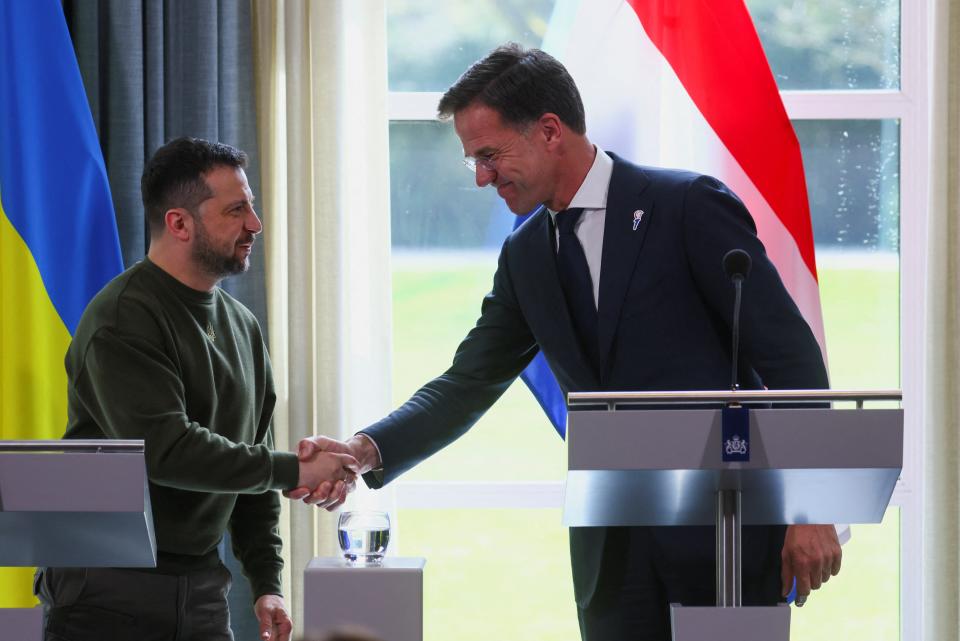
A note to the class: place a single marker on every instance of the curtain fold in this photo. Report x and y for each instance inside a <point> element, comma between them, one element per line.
<point>321,90</point>
<point>941,451</point>
<point>154,71</point>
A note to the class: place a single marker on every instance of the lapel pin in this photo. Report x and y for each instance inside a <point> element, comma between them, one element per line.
<point>637,217</point>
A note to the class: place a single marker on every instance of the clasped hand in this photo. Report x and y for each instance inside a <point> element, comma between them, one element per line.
<point>339,463</point>
<point>327,470</point>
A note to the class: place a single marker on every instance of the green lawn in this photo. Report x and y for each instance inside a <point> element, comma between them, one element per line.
<point>504,574</point>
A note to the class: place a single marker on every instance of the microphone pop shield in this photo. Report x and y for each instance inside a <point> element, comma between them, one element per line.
<point>737,262</point>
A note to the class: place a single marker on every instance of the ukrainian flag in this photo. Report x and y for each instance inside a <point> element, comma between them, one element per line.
<point>58,232</point>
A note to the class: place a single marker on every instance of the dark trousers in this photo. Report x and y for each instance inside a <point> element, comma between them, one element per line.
<point>646,569</point>
<point>97,604</point>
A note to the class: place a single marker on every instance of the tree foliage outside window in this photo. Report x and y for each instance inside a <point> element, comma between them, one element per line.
<point>432,43</point>
<point>811,44</point>
<point>830,44</point>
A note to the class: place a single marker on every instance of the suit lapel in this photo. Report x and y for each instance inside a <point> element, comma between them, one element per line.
<point>629,209</point>
<point>546,279</point>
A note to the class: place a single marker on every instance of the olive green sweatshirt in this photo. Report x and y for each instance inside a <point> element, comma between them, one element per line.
<point>188,372</point>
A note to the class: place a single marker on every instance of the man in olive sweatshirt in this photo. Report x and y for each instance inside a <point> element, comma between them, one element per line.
<point>164,355</point>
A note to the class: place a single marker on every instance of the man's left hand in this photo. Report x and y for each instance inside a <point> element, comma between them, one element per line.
<point>329,495</point>
<point>811,553</point>
<point>271,612</point>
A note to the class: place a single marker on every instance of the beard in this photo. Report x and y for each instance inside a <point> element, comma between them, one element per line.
<point>218,261</point>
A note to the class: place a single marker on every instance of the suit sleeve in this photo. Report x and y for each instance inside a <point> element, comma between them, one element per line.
<point>488,360</point>
<point>775,340</point>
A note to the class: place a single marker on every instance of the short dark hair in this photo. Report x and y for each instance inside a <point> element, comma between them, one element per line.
<point>521,85</point>
<point>173,177</point>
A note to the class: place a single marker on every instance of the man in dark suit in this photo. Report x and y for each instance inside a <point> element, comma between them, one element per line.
<point>618,281</point>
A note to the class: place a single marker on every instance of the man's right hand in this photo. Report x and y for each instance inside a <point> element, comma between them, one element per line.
<point>325,469</point>
<point>331,495</point>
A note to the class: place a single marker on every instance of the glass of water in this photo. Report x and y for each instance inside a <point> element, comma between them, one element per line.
<point>364,536</point>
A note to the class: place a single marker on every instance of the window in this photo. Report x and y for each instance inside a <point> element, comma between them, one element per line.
<point>486,511</point>
<point>852,168</point>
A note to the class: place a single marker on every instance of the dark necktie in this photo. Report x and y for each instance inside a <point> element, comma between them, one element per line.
<point>576,283</point>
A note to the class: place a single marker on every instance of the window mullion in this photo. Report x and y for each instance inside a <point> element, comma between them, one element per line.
<point>479,495</point>
<point>845,105</point>
<point>413,105</point>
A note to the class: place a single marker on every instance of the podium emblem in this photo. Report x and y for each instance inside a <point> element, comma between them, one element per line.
<point>736,445</point>
<point>735,435</point>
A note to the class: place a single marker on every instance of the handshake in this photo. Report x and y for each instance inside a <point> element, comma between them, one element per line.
<point>329,469</point>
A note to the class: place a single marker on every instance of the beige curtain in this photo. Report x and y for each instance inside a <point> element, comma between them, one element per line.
<point>323,134</point>
<point>941,510</point>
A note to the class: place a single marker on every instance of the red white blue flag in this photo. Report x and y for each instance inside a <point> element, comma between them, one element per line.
<point>685,84</point>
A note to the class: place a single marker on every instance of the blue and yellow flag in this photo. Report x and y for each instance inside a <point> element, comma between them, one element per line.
<point>58,232</point>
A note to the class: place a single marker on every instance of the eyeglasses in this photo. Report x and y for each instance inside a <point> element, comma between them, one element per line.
<point>487,163</point>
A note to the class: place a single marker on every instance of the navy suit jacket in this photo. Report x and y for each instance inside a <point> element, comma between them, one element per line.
<point>665,309</point>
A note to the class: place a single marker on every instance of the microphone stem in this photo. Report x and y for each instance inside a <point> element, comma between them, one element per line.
<point>738,285</point>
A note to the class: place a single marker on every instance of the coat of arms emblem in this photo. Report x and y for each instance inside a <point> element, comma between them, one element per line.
<point>735,445</point>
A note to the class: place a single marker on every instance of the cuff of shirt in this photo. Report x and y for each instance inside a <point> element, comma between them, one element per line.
<point>375,446</point>
<point>286,470</point>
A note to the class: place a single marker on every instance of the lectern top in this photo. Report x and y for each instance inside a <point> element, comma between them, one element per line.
<point>75,504</point>
<point>664,466</point>
<point>612,399</point>
<point>74,445</point>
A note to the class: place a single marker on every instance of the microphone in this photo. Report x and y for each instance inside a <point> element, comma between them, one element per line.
<point>736,265</point>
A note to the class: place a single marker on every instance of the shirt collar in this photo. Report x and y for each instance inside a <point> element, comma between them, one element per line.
<point>593,190</point>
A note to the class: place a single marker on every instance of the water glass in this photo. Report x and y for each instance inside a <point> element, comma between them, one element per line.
<point>363,536</point>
